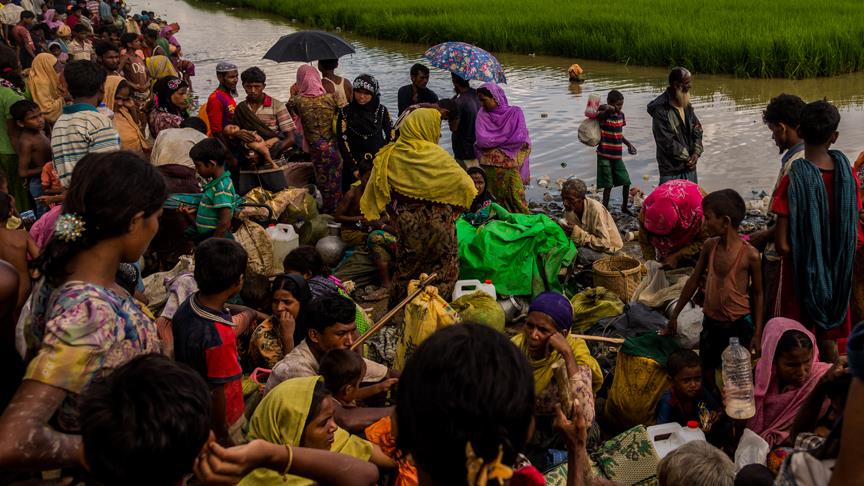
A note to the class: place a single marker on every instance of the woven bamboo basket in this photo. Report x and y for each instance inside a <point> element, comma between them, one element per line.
<point>620,274</point>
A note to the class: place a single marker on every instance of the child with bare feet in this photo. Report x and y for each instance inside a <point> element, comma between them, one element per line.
<point>733,284</point>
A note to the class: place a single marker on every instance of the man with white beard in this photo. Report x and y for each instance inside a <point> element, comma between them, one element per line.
<point>677,131</point>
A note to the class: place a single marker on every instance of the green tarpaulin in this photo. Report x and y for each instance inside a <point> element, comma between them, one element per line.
<point>504,249</point>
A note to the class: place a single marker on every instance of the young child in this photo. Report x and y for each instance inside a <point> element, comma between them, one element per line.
<point>611,171</point>
<point>17,248</point>
<point>260,148</point>
<point>342,370</point>
<point>34,148</point>
<point>81,49</point>
<point>687,400</point>
<point>218,200</point>
<point>376,235</point>
<point>733,284</point>
<point>205,336</point>
<point>818,231</point>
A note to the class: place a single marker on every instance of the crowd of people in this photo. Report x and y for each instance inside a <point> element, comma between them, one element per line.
<point>247,377</point>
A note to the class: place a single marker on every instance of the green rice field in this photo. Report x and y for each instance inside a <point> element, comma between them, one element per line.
<point>747,38</point>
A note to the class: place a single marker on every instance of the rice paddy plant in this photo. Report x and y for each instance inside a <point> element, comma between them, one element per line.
<point>748,38</point>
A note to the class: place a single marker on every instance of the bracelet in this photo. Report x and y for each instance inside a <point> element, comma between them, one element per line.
<point>290,459</point>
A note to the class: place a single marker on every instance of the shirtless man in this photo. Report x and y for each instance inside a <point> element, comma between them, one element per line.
<point>338,86</point>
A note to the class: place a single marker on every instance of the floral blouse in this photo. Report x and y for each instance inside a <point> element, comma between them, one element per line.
<point>80,331</point>
<point>317,116</point>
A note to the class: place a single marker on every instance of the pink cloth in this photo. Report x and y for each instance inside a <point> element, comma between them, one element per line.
<point>776,409</point>
<point>673,215</point>
<point>309,82</point>
<point>43,229</point>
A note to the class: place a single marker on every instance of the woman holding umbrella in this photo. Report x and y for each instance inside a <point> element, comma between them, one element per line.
<point>317,109</point>
<point>502,147</point>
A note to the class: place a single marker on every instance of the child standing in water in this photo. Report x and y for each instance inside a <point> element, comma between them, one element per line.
<point>611,171</point>
<point>733,283</point>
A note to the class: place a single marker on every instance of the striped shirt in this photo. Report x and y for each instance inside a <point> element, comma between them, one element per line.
<point>79,131</point>
<point>274,114</point>
<point>217,194</point>
<point>612,137</point>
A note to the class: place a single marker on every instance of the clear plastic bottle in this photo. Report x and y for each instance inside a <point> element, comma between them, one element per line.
<point>738,381</point>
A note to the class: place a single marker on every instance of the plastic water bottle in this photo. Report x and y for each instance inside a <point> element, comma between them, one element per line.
<point>738,381</point>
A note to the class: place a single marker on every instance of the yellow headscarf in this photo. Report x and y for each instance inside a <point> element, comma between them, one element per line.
<point>280,419</point>
<point>131,136</point>
<point>542,368</point>
<point>415,166</point>
<point>44,85</point>
<point>159,67</point>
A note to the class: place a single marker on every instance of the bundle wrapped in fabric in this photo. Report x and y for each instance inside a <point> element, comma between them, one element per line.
<point>479,307</point>
<point>591,305</point>
<point>521,253</point>
<point>424,315</point>
<point>640,380</point>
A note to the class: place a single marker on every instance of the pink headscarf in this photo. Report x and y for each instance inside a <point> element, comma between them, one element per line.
<point>673,215</point>
<point>309,82</point>
<point>776,409</point>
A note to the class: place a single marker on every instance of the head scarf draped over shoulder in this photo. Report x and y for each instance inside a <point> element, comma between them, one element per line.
<point>672,213</point>
<point>159,67</point>
<point>309,82</point>
<point>776,409</point>
<point>281,418</point>
<point>417,167</point>
<point>44,85</point>
<point>502,128</point>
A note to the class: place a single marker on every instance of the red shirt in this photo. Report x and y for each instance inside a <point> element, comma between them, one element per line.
<point>220,110</point>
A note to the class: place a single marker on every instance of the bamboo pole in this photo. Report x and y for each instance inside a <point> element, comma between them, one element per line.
<point>601,339</point>
<point>389,315</point>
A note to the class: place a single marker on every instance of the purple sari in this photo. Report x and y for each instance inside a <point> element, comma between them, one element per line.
<point>503,128</point>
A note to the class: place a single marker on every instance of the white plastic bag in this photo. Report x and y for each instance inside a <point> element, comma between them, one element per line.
<point>689,326</point>
<point>752,449</point>
<point>589,132</point>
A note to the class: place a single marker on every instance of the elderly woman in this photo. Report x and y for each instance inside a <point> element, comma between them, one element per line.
<point>670,224</point>
<point>275,337</point>
<point>502,147</point>
<point>545,339</point>
<point>428,190</point>
<point>587,221</point>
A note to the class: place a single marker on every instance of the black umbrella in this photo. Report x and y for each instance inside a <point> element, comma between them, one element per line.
<point>307,46</point>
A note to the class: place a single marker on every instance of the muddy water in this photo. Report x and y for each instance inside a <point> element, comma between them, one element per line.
<point>739,152</point>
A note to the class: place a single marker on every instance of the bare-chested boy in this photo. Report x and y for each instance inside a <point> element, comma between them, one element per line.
<point>34,148</point>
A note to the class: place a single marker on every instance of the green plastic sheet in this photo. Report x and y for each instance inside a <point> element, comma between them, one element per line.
<point>504,247</point>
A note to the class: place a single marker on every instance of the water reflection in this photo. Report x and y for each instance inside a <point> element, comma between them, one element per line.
<point>739,152</point>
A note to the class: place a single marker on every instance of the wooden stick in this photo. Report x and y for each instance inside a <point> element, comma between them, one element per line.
<point>601,339</point>
<point>559,369</point>
<point>389,315</point>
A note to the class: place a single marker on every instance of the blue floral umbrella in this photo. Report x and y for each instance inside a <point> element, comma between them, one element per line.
<point>469,62</point>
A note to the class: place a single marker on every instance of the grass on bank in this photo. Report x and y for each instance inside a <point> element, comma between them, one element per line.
<point>747,38</point>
